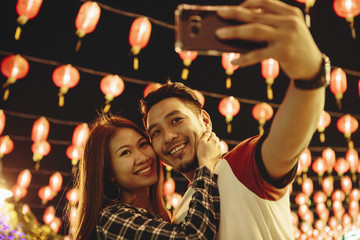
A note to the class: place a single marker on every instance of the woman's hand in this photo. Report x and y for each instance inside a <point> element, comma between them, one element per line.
<point>208,150</point>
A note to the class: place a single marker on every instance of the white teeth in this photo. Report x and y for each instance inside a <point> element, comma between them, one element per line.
<point>143,171</point>
<point>178,148</point>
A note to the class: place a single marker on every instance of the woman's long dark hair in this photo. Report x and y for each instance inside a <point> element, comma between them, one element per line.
<point>95,169</point>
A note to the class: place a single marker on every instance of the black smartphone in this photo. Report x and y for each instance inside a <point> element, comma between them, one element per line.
<point>195,27</point>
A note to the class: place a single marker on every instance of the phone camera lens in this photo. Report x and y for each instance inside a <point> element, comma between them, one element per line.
<point>195,26</point>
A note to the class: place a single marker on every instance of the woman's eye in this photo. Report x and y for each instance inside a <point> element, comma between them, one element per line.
<point>126,152</point>
<point>144,144</point>
<point>156,132</point>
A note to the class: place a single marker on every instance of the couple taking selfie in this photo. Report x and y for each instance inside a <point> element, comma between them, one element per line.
<point>241,195</point>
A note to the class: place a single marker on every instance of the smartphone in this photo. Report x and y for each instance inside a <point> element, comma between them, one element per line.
<point>195,27</point>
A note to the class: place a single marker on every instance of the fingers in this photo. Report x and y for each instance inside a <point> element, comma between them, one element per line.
<point>270,6</point>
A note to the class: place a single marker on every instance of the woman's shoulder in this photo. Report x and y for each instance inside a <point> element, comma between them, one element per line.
<point>122,208</point>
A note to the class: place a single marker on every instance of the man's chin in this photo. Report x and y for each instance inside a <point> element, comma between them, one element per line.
<point>188,167</point>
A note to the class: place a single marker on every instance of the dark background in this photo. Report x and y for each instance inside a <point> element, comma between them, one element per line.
<point>49,40</point>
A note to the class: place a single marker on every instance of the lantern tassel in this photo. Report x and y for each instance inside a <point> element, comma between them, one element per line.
<point>78,45</point>
<point>107,107</point>
<point>37,165</point>
<point>261,129</point>
<point>269,92</point>
<point>61,100</point>
<point>228,82</point>
<point>6,94</point>
<point>17,33</point>
<point>353,33</point>
<point>136,63</point>
<point>228,128</point>
<point>338,102</point>
<point>185,74</point>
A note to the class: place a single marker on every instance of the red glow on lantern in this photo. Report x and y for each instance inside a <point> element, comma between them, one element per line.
<point>338,84</point>
<point>151,87</point>
<point>40,130</point>
<point>2,121</point>
<point>352,157</point>
<point>175,200</point>
<point>224,147</point>
<point>112,86</point>
<point>305,160</point>
<point>73,196</point>
<point>307,186</point>
<point>87,18</point>
<point>55,224</point>
<point>328,154</point>
<point>187,57</point>
<point>139,37</point>
<point>74,153</point>
<point>324,122</point>
<point>26,9</point>
<point>229,107</point>
<point>24,178</point>
<point>346,184</point>
<point>41,149</point>
<point>45,194</point>
<point>270,71</point>
<point>226,60</point>
<point>49,214</point>
<point>328,185</point>
<point>341,166</point>
<point>169,187</point>
<point>319,166</point>
<point>319,197</point>
<point>301,198</point>
<point>6,145</point>
<point>65,77</point>
<point>262,112</point>
<point>347,124</point>
<point>55,182</point>
<point>354,194</point>
<point>18,192</point>
<point>80,135</point>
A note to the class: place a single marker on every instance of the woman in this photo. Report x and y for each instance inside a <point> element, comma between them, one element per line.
<point>120,180</point>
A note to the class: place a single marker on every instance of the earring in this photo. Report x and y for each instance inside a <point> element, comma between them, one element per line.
<point>111,191</point>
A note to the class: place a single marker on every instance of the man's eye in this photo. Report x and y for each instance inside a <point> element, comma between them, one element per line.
<point>156,132</point>
<point>175,120</point>
<point>126,152</point>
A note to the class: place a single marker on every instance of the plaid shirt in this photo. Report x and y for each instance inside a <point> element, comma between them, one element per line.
<point>122,221</point>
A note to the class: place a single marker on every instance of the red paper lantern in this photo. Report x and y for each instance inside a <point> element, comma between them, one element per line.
<point>74,153</point>
<point>151,87</point>
<point>25,209</point>
<point>319,167</point>
<point>45,194</point>
<point>40,130</point>
<point>13,67</point>
<point>352,157</point>
<point>307,186</point>
<point>24,178</point>
<point>187,57</point>
<point>319,197</point>
<point>112,86</point>
<point>338,84</point>
<point>270,71</point>
<point>327,185</point>
<point>341,166</point>
<point>224,147</point>
<point>26,9</point>
<point>49,214</point>
<point>229,107</point>
<point>226,59</point>
<point>346,184</point>
<point>6,145</point>
<point>301,198</point>
<point>200,97</point>
<point>55,182</point>
<point>262,112</point>
<point>2,121</point>
<point>18,192</point>
<point>40,149</point>
<point>73,196</point>
<point>328,154</point>
<point>347,124</point>
<point>139,37</point>
<point>332,223</point>
<point>175,200</point>
<point>65,77</point>
<point>80,135</point>
<point>294,218</point>
<point>86,20</point>
<point>302,210</point>
<point>305,160</point>
<point>169,186</point>
<point>353,209</point>
<point>354,195</point>
<point>347,9</point>
<point>324,122</point>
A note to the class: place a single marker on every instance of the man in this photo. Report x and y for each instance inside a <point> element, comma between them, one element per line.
<point>253,178</point>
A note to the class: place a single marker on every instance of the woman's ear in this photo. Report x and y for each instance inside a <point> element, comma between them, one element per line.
<point>205,117</point>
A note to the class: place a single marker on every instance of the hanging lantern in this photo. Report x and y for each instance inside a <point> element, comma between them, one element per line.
<point>169,186</point>
<point>112,86</point>
<point>40,149</point>
<point>307,186</point>
<point>352,157</point>
<point>305,161</point>
<point>354,194</point>
<point>49,214</point>
<point>6,145</point>
<point>45,194</point>
<point>324,122</point>
<point>151,87</point>
<point>73,196</point>
<point>328,154</point>
<point>308,4</point>
<point>301,198</point>
<point>2,121</point>
<point>347,124</point>
<point>270,71</point>
<point>187,57</point>
<point>80,135</point>
<point>226,59</point>
<point>65,77</point>
<point>24,178</point>
<point>346,184</point>
<point>327,185</point>
<point>55,182</point>
<point>347,9</point>
<point>262,112</point>
<point>338,84</point>
<point>338,209</point>
<point>229,107</point>
<point>86,20</point>
<point>319,167</point>
<point>200,97</point>
<point>74,153</point>
<point>224,147</point>
<point>353,209</point>
<point>26,9</point>
<point>40,130</point>
<point>175,200</point>
<point>302,210</point>
<point>18,192</point>
<point>13,67</point>
<point>139,37</point>
<point>341,166</point>
<point>319,197</point>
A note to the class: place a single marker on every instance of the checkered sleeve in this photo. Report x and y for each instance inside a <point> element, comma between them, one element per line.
<point>122,221</point>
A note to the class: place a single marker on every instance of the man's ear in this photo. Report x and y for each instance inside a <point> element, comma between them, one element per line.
<point>205,117</point>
